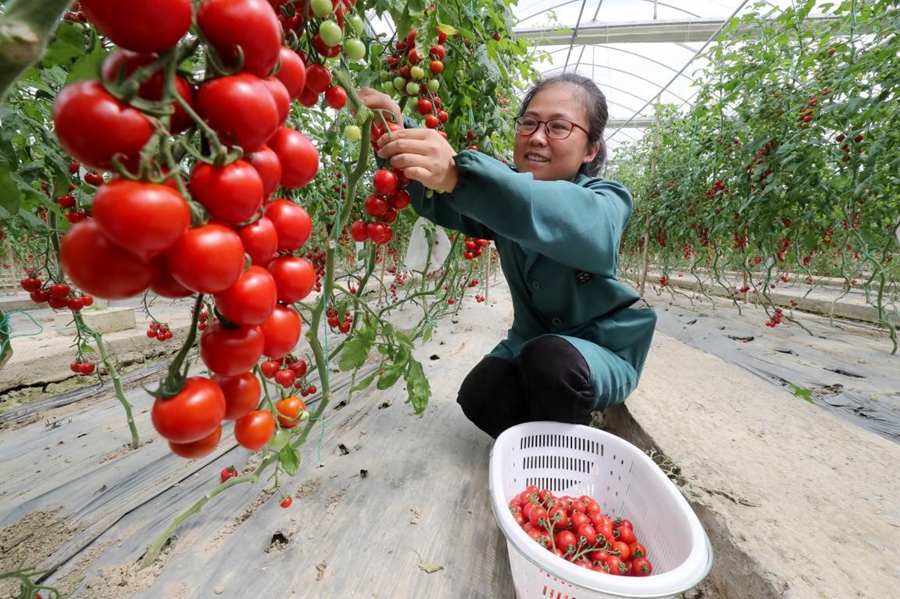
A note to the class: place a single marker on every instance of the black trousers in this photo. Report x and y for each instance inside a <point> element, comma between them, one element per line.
<point>549,380</point>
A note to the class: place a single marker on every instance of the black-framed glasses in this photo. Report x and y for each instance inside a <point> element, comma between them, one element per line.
<point>554,128</point>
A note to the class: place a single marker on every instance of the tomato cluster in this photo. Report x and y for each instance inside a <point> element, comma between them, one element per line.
<point>474,247</point>
<point>388,199</point>
<point>57,295</point>
<point>576,529</point>
<point>418,77</point>
<point>159,331</point>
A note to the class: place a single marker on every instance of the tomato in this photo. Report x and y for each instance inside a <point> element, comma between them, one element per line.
<point>140,26</point>
<point>621,549</point>
<point>251,299</point>
<point>30,284</point>
<point>94,127</point>
<point>260,240</point>
<point>385,181</point>
<point>308,98</point>
<point>286,502</point>
<point>299,367</point>
<point>266,163</point>
<point>354,49</point>
<point>624,522</point>
<point>231,194</point>
<point>231,350</point>
<point>99,267</point>
<point>144,217</point>
<point>298,156</point>
<point>199,448</point>
<point>591,507</point>
<point>538,516</point>
<point>318,78</point>
<point>294,278</point>
<point>242,393</point>
<point>380,233</point>
<point>192,413</point>
<point>641,566</point>
<point>281,96</point>
<point>250,25</point>
<point>163,284</point>
<point>228,472</point>
<point>269,367</point>
<point>255,429</point>
<point>292,72</point>
<point>336,97</point>
<point>637,550</point>
<point>359,232</point>
<point>579,519</point>
<point>240,108</point>
<point>281,438</point>
<point>375,205</point>
<point>281,332</point>
<point>566,541</point>
<point>207,259</point>
<point>292,223</point>
<point>285,378</point>
<point>625,534</point>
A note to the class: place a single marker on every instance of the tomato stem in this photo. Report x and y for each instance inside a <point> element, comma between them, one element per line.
<point>176,375</point>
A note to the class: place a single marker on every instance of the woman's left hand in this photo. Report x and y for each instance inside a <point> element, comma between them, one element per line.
<point>423,155</point>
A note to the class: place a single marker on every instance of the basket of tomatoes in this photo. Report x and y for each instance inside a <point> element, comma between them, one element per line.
<point>587,515</point>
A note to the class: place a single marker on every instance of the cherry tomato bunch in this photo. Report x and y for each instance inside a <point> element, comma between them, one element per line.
<point>474,247</point>
<point>159,331</point>
<point>57,295</point>
<point>286,372</point>
<point>389,197</point>
<point>418,76</point>
<point>576,529</point>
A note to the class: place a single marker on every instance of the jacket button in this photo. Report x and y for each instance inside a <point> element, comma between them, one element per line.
<point>535,285</point>
<point>556,322</point>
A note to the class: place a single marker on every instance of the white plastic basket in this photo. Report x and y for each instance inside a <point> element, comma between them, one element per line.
<point>571,459</point>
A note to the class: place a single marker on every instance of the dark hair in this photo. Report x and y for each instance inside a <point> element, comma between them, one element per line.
<point>595,106</point>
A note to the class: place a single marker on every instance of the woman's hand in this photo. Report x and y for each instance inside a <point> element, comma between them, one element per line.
<point>423,155</point>
<point>379,101</point>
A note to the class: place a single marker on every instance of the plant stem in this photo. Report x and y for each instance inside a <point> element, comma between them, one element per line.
<point>25,29</point>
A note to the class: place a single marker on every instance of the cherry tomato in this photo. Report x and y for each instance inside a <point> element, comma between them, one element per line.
<point>318,78</point>
<point>144,217</point>
<point>191,414</point>
<point>294,278</point>
<point>281,332</point>
<point>251,299</point>
<point>385,181</point>
<point>399,199</point>
<point>566,541</point>
<point>266,163</point>
<point>260,240</point>
<point>281,96</point>
<point>140,26</point>
<point>200,448</point>
<point>163,284</point>
<point>298,156</point>
<point>231,351</point>
<point>255,429</point>
<point>269,367</point>
<point>292,223</point>
<point>625,534</point>
<point>99,267</point>
<point>637,550</point>
<point>240,108</point>
<point>242,393</point>
<point>250,25</point>
<point>285,378</point>
<point>231,194</point>
<point>289,409</point>
<point>292,72</point>
<point>287,501</point>
<point>359,232</point>
<point>94,127</point>
<point>207,259</point>
<point>228,472</point>
<point>336,97</point>
<point>641,566</point>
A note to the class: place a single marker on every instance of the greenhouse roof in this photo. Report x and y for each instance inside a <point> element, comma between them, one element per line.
<point>639,52</point>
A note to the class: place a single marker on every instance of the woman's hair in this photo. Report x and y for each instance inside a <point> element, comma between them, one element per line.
<point>595,106</point>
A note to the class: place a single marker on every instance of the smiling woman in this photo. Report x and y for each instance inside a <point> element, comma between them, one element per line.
<point>579,337</point>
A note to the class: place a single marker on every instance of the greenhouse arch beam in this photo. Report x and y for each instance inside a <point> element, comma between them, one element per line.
<point>646,32</point>
<point>608,68</point>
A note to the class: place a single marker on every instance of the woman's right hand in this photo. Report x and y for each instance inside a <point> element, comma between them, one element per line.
<point>380,101</point>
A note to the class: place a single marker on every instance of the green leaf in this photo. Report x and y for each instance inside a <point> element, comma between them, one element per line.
<point>430,568</point>
<point>87,66</point>
<point>426,337</point>
<point>290,459</point>
<point>404,340</point>
<point>86,349</point>
<point>357,349</point>
<point>10,197</point>
<point>417,388</point>
<point>363,384</point>
<point>68,45</point>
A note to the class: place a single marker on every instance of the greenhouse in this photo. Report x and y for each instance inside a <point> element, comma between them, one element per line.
<point>578,299</point>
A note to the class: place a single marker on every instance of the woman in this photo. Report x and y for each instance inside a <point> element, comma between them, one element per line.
<point>578,341</point>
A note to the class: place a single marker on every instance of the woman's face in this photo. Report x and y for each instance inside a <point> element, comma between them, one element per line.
<point>555,159</point>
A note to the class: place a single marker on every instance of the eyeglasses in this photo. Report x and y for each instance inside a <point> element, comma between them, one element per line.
<point>554,128</point>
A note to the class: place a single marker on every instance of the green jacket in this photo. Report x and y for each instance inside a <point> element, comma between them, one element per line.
<point>558,243</point>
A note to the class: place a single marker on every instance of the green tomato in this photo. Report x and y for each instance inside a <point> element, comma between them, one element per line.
<point>322,8</point>
<point>352,132</point>
<point>433,85</point>
<point>281,438</point>
<point>399,83</point>
<point>356,23</point>
<point>388,88</point>
<point>331,33</point>
<point>385,75</point>
<point>417,72</point>
<point>354,49</point>
<point>412,88</point>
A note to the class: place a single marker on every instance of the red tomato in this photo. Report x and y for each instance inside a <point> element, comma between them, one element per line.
<point>250,25</point>
<point>140,26</point>
<point>318,78</point>
<point>260,240</point>
<point>289,409</point>
<point>625,534</point>
<point>192,413</point>
<point>269,367</point>
<point>336,97</point>
<point>228,472</point>
<point>285,378</point>
<point>99,267</point>
<point>559,517</point>
<point>385,181</point>
<point>538,517</point>
<point>197,449</point>
<point>566,541</point>
<point>242,393</point>
<point>399,199</point>
<point>286,502</point>
<point>294,278</point>
<point>255,429</point>
<point>292,72</point>
<point>163,284</point>
<point>240,108</point>
<point>621,549</point>
<point>359,232</point>
<point>375,205</point>
<point>281,332</point>
<point>207,259</point>
<point>231,194</point>
<point>308,98</point>
<point>266,163</point>
<point>281,96</point>
<point>251,299</point>
<point>93,126</point>
<point>380,233</point>
<point>292,222</point>
<point>298,156</point>
<point>231,351</point>
<point>641,566</point>
<point>144,217</point>
<point>637,550</point>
